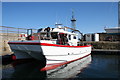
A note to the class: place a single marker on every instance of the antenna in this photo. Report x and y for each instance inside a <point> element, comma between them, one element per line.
<point>57,23</point>
<point>73,20</point>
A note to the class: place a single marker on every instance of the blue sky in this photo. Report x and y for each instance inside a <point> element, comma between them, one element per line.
<point>91,17</point>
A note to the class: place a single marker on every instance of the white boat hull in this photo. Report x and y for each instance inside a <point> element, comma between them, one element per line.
<point>34,51</point>
<point>51,53</point>
<point>63,54</point>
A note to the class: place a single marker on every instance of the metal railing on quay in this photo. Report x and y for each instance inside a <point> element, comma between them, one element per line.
<point>10,33</point>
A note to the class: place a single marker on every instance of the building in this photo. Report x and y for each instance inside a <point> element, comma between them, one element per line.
<point>101,37</point>
<point>114,33</point>
<point>91,37</point>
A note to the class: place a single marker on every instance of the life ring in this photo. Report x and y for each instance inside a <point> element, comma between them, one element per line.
<point>22,36</point>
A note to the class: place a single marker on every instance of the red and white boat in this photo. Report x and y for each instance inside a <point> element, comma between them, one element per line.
<point>56,46</point>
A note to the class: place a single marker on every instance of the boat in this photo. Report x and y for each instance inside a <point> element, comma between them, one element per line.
<point>54,46</point>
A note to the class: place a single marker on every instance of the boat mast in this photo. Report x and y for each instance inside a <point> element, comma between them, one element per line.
<point>119,14</point>
<point>73,20</point>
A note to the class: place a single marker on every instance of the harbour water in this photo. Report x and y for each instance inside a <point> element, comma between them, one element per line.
<point>92,67</point>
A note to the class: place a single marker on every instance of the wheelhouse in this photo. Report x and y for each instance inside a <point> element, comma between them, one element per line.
<point>59,35</point>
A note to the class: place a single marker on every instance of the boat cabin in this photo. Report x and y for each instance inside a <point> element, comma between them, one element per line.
<point>56,35</point>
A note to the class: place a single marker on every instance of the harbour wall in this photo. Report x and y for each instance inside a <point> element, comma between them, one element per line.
<point>4,38</point>
<point>9,34</point>
<point>104,47</point>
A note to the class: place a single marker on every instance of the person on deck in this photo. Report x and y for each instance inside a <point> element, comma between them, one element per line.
<point>65,39</point>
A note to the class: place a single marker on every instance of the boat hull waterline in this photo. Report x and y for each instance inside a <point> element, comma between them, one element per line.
<point>50,67</point>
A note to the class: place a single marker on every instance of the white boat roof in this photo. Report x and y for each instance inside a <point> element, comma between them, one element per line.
<point>60,30</point>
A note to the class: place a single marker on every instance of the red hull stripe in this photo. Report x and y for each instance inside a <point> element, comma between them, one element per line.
<point>60,64</point>
<point>43,44</point>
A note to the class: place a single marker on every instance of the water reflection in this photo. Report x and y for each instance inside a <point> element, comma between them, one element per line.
<point>31,70</point>
<point>23,70</point>
<point>102,66</point>
<point>69,70</point>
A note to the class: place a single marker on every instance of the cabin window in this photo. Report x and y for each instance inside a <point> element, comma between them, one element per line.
<point>74,37</point>
<point>69,37</point>
<point>54,35</point>
<point>43,36</point>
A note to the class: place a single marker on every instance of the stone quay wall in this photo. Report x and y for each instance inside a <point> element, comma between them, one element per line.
<point>104,45</point>
<point>9,34</point>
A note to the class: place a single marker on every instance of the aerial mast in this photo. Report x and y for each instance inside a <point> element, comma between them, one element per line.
<point>73,20</point>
